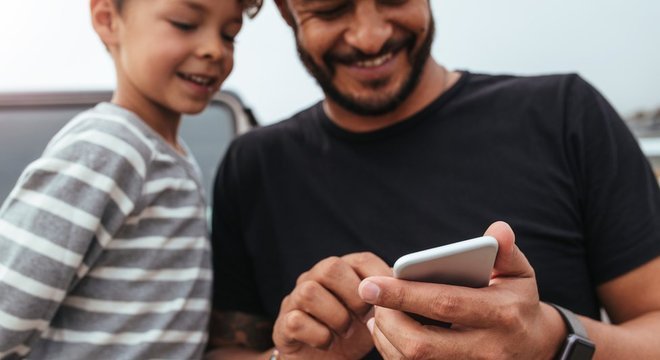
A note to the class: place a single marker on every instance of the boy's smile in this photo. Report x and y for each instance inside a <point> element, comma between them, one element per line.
<point>201,80</point>
<point>199,83</point>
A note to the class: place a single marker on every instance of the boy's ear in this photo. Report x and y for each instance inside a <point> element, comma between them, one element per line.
<point>283,7</point>
<point>105,20</point>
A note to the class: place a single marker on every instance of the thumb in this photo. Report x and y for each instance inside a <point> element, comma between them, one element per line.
<point>510,261</point>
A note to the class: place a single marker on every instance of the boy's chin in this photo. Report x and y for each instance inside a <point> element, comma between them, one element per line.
<point>193,109</point>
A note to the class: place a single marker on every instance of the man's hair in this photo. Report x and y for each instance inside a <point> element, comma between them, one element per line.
<point>118,4</point>
<point>250,7</point>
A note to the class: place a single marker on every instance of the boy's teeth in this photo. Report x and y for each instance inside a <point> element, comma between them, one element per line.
<point>375,61</point>
<point>201,80</point>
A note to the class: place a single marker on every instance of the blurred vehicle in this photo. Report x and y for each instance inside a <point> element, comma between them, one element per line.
<point>646,127</point>
<point>29,120</point>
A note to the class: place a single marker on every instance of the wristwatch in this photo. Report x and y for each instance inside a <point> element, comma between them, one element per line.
<point>577,345</point>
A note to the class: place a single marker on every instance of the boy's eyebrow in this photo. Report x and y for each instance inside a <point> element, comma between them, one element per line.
<point>199,7</point>
<point>192,4</point>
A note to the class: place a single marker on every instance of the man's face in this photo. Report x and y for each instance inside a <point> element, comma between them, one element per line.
<point>367,55</point>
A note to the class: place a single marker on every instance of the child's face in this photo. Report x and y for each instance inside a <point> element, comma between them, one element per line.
<point>175,54</point>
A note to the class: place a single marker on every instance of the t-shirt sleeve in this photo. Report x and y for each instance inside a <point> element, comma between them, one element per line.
<point>64,208</point>
<point>235,287</point>
<point>621,201</point>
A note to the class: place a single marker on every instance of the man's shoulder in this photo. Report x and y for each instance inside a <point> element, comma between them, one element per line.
<point>527,82</point>
<point>280,132</point>
<point>547,90</point>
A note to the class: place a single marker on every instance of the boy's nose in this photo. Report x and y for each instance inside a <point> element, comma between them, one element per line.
<point>211,48</point>
<point>369,30</point>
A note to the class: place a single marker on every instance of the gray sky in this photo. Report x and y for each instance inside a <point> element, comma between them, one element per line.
<point>50,45</point>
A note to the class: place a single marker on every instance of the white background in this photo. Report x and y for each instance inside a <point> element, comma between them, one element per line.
<point>614,44</point>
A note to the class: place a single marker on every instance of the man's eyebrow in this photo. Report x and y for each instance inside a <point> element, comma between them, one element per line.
<point>314,2</point>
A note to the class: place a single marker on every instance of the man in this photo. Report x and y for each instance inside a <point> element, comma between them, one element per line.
<point>404,155</point>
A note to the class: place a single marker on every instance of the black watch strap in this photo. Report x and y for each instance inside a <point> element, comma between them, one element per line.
<point>577,345</point>
<point>572,322</point>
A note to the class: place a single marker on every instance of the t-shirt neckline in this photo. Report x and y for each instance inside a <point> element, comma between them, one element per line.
<point>393,129</point>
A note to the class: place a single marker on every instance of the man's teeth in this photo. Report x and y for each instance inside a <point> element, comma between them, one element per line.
<point>198,79</point>
<point>375,61</point>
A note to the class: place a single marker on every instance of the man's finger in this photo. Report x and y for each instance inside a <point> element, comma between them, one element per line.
<point>447,303</point>
<point>382,343</point>
<point>367,264</point>
<point>312,298</point>
<point>396,333</point>
<point>340,279</point>
<point>510,261</point>
<point>296,329</point>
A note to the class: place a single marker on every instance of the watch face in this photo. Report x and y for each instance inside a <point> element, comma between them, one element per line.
<point>578,348</point>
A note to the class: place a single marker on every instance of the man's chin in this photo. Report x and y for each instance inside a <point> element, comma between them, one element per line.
<point>370,100</point>
<point>368,107</point>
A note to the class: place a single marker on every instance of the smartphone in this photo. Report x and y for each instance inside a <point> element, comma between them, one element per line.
<point>464,263</point>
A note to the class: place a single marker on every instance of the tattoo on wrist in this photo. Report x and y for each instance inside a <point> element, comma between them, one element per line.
<point>240,329</point>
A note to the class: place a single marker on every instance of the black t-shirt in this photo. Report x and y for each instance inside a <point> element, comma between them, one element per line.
<point>546,154</point>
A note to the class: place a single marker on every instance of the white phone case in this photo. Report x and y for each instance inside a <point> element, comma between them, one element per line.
<point>465,263</point>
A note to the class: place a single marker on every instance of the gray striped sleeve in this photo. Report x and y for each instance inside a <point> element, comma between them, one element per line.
<point>65,204</point>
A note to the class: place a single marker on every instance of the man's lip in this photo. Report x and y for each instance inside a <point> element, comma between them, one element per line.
<point>375,62</point>
<point>373,69</point>
<point>356,57</point>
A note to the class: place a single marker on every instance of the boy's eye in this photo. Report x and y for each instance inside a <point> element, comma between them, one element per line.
<point>229,38</point>
<point>183,26</point>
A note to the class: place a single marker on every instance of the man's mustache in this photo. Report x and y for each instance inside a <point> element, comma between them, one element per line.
<point>354,55</point>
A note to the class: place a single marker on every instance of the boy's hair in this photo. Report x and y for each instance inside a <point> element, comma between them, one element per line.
<point>251,7</point>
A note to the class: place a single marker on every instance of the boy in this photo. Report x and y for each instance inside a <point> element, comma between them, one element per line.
<point>103,242</point>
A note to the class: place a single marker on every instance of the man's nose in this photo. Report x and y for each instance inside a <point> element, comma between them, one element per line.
<point>369,29</point>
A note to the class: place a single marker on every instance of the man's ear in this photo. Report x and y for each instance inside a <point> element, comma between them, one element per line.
<point>285,12</point>
<point>105,20</point>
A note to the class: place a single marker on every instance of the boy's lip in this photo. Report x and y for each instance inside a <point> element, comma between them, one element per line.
<point>210,81</point>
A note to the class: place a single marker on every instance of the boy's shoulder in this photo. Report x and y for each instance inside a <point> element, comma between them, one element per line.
<point>105,128</point>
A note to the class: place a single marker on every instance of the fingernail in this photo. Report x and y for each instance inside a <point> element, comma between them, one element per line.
<point>369,291</point>
<point>370,325</point>
<point>349,332</point>
<point>368,315</point>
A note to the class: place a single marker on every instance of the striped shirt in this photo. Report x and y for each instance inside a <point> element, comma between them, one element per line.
<point>104,252</point>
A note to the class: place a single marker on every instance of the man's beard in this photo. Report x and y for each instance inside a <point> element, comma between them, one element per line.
<point>379,106</point>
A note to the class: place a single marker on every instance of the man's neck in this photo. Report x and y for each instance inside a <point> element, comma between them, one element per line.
<point>434,81</point>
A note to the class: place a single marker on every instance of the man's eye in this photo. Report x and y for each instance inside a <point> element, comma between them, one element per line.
<point>393,2</point>
<point>332,13</point>
<point>183,26</point>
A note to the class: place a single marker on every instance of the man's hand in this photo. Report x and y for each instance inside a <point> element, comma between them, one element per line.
<point>324,317</point>
<point>502,321</point>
